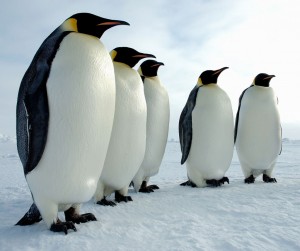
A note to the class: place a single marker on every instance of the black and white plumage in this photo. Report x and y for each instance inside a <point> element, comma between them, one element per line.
<point>158,116</point>
<point>206,132</point>
<point>128,138</point>
<point>257,130</point>
<point>65,112</point>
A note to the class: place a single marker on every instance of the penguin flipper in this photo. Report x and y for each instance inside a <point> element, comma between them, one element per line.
<point>238,113</point>
<point>186,126</point>
<point>32,216</point>
<point>32,104</point>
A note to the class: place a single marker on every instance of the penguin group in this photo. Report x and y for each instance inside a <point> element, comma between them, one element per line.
<point>89,125</point>
<point>207,133</point>
<point>82,122</point>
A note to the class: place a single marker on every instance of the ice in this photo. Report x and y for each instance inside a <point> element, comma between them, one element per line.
<point>236,216</point>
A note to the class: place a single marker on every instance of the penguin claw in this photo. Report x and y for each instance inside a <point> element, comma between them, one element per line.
<point>119,198</point>
<point>213,182</point>
<point>250,179</point>
<point>63,227</point>
<point>154,187</point>
<point>188,183</point>
<point>224,179</point>
<point>268,179</point>
<point>72,216</point>
<point>146,190</point>
<point>217,183</point>
<point>105,202</point>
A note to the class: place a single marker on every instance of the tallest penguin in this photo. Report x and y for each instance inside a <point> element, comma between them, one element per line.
<point>65,113</point>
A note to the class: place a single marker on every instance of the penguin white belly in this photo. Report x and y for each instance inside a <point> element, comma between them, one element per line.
<point>81,97</point>
<point>258,141</point>
<point>212,144</point>
<point>128,140</point>
<point>158,115</point>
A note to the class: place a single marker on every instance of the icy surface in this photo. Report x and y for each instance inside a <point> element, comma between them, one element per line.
<point>237,216</point>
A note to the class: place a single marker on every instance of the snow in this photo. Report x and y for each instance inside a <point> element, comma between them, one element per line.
<point>237,216</point>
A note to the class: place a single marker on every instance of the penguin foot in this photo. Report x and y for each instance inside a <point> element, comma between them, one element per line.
<point>250,179</point>
<point>154,187</point>
<point>105,202</point>
<point>119,197</point>
<point>188,183</point>
<point>268,179</point>
<point>146,190</point>
<point>63,227</point>
<point>224,179</point>
<point>70,215</point>
<point>32,216</point>
<point>217,183</point>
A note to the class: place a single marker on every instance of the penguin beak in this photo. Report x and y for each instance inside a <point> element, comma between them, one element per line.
<point>269,77</point>
<point>218,72</point>
<point>143,55</point>
<point>112,23</point>
<point>158,64</point>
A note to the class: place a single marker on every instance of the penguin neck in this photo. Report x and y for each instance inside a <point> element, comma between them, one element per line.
<point>69,25</point>
<point>199,82</point>
<point>154,78</point>
<point>122,64</point>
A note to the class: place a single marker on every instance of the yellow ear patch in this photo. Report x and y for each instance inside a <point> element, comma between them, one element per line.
<point>113,54</point>
<point>70,25</point>
<point>199,82</point>
<point>140,71</point>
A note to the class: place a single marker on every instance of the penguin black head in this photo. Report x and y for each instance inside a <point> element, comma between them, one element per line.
<point>149,68</point>
<point>263,79</point>
<point>128,56</point>
<point>210,77</point>
<point>90,24</point>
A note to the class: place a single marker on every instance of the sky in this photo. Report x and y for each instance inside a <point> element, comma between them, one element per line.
<point>188,36</point>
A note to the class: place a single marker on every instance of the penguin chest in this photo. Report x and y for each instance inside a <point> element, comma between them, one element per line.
<point>158,115</point>
<point>258,140</point>
<point>128,139</point>
<point>81,96</point>
<point>212,143</point>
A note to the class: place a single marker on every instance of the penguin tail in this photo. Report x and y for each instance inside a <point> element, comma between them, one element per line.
<point>32,216</point>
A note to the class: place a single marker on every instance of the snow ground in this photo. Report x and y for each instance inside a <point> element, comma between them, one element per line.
<point>237,216</point>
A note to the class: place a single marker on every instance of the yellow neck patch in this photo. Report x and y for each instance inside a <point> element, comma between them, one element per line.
<point>140,71</point>
<point>113,54</point>
<point>199,82</point>
<point>70,25</point>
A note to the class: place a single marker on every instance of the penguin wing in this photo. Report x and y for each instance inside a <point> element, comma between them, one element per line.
<point>186,126</point>
<point>238,113</point>
<point>32,104</point>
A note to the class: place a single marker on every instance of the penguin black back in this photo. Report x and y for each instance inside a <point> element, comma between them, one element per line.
<point>32,105</point>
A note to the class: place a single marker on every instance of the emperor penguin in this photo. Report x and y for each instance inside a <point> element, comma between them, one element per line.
<point>128,138</point>
<point>65,111</point>
<point>257,133</point>
<point>158,116</point>
<point>206,132</point>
